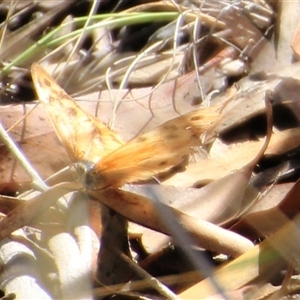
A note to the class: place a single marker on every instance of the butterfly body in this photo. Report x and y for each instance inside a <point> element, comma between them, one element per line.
<point>101,158</point>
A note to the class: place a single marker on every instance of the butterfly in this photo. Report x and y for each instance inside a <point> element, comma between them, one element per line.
<point>100,157</point>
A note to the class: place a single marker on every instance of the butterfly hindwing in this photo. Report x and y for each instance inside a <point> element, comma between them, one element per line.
<point>156,151</point>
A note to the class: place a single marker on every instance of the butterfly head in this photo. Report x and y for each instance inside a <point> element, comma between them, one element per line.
<point>84,172</point>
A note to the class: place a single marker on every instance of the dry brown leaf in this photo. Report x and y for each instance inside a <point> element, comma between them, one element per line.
<point>142,210</point>
<point>272,197</point>
<point>233,158</point>
<point>44,153</point>
<point>286,25</point>
<point>266,221</point>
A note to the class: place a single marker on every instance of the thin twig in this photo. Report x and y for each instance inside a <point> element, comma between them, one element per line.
<point>37,182</point>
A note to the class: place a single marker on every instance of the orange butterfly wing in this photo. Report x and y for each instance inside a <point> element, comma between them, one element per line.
<point>154,152</point>
<point>83,136</point>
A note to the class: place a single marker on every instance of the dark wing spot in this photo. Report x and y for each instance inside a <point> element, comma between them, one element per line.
<point>172,127</point>
<point>95,132</point>
<point>196,118</point>
<point>47,82</point>
<point>163,163</point>
<point>172,137</point>
<point>72,112</point>
<point>141,139</point>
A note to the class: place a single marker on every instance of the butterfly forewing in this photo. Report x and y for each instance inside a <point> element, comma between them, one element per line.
<point>84,137</point>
